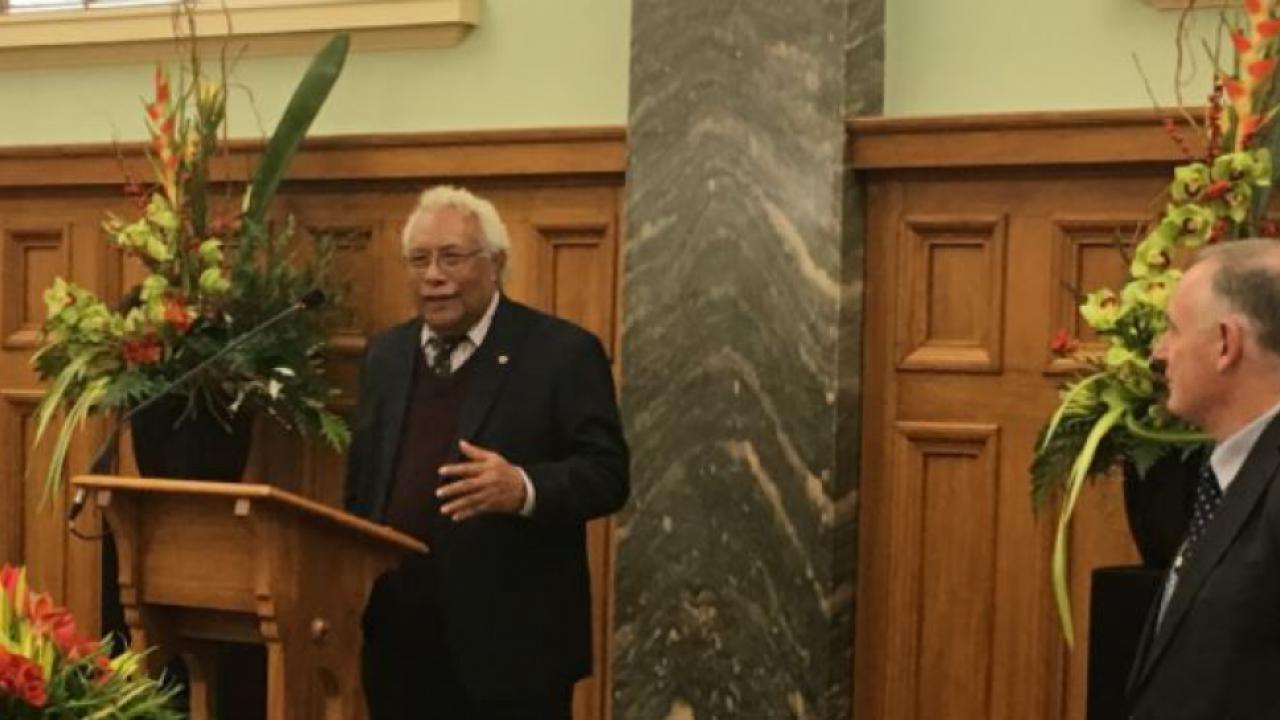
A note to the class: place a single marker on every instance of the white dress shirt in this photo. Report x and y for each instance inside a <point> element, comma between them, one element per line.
<point>467,347</point>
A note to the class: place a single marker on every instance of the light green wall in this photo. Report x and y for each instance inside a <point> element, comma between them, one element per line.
<point>977,56</point>
<point>531,63</point>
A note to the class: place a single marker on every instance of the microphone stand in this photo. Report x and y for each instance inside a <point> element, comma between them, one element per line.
<point>105,458</point>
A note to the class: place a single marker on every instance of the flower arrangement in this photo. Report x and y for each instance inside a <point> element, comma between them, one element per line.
<point>1113,414</point>
<point>215,268</point>
<point>51,672</point>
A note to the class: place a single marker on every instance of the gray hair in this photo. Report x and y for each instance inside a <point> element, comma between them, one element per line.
<point>1247,277</point>
<point>493,232</point>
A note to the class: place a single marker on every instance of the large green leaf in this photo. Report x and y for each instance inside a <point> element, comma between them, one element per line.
<point>305,104</point>
<point>1271,140</point>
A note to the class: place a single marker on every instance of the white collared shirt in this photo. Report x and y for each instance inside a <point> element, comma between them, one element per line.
<point>1227,459</point>
<point>461,354</point>
<point>471,340</point>
<point>1229,455</point>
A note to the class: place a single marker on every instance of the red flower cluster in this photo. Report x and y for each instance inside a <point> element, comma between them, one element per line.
<point>20,676</point>
<point>22,679</point>
<point>56,623</point>
<point>144,351</point>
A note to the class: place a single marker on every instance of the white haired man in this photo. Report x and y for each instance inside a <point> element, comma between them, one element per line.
<point>1211,649</point>
<point>490,431</point>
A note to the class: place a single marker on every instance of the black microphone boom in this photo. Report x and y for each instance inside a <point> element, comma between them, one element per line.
<point>102,462</point>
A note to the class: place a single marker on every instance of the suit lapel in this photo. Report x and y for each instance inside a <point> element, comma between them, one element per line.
<point>490,365</point>
<point>397,381</point>
<point>1237,504</point>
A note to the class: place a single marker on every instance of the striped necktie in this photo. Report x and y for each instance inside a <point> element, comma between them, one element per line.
<point>440,353</point>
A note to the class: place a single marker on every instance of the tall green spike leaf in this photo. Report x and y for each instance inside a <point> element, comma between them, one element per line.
<point>303,107</point>
<point>1271,140</point>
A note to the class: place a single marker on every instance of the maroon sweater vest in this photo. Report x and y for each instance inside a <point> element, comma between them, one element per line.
<point>428,438</point>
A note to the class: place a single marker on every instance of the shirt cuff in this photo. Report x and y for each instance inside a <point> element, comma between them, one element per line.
<point>530,498</point>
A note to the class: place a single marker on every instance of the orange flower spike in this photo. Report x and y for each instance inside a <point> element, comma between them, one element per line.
<point>9,578</point>
<point>166,128</point>
<point>1235,89</point>
<point>1242,43</point>
<point>1260,69</point>
<point>1268,29</point>
<point>1248,128</point>
<point>1253,7</point>
<point>162,86</point>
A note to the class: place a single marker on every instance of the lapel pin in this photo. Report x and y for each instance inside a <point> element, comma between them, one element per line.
<point>503,360</point>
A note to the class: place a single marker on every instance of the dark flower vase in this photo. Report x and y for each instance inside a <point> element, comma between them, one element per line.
<point>172,439</point>
<point>1158,506</point>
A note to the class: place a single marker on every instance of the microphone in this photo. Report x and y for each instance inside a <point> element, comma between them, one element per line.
<point>104,459</point>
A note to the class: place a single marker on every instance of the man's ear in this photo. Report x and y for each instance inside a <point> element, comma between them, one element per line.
<point>1231,342</point>
<point>499,265</point>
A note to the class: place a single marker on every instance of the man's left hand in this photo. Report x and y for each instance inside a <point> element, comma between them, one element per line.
<point>487,483</point>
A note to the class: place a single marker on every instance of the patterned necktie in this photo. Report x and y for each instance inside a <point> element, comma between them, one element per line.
<point>440,353</point>
<point>1208,495</point>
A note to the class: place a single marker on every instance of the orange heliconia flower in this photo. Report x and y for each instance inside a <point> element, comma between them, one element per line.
<point>1242,43</point>
<point>162,86</point>
<point>1260,69</point>
<point>1269,28</point>
<point>1235,89</point>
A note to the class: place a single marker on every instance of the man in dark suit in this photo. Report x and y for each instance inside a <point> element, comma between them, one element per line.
<point>490,431</point>
<point>1211,648</point>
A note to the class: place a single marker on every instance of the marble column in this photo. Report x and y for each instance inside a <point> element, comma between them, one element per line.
<point>741,351</point>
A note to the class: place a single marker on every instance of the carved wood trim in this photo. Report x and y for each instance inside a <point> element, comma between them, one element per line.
<point>1031,139</point>
<point>408,156</point>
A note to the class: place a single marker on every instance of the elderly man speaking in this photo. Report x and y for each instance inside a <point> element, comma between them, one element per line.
<point>491,431</point>
<point>1211,649</point>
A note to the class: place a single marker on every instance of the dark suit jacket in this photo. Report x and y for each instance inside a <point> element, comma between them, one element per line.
<point>1217,653</point>
<point>514,591</point>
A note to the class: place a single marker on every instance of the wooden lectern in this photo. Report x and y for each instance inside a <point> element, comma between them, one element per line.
<point>206,562</point>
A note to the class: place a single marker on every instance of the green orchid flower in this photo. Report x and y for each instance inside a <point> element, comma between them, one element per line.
<point>161,214</point>
<point>212,281</point>
<point>57,297</point>
<point>1153,291</point>
<point>1235,203</point>
<point>1194,222</point>
<point>153,287</point>
<point>1101,310</point>
<point>1189,181</point>
<point>211,252</point>
<point>1250,167</point>
<point>1155,253</point>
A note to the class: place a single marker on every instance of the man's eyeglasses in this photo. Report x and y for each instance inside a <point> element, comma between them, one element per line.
<point>449,261</point>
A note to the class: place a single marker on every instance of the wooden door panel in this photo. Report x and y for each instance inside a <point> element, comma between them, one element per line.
<point>969,276</point>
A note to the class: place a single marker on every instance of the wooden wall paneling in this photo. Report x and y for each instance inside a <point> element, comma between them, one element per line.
<point>42,238</point>
<point>581,257</point>
<point>942,613</point>
<point>873,660</point>
<point>951,300</point>
<point>30,259</point>
<point>16,407</point>
<point>1061,205</point>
